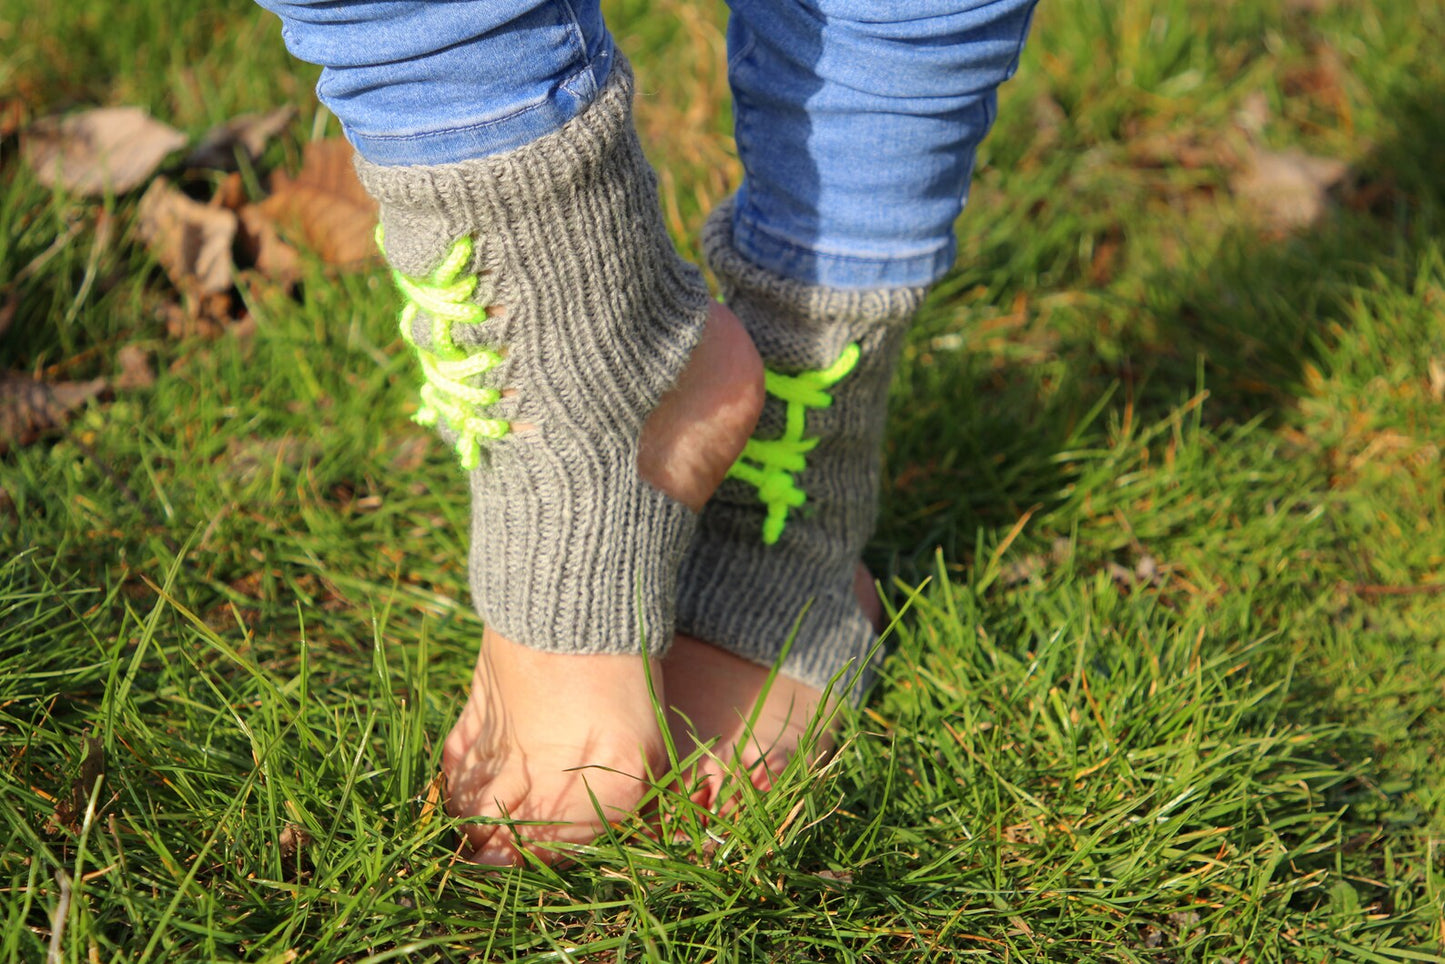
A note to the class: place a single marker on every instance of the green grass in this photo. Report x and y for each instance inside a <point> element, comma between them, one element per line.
<point>1166,500</point>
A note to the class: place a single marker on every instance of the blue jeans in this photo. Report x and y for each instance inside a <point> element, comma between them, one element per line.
<point>857,121</point>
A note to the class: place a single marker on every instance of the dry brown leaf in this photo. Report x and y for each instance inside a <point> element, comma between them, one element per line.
<point>30,408</point>
<point>248,132</point>
<point>8,310</point>
<point>292,839</point>
<point>110,148</point>
<point>135,369</point>
<point>435,793</point>
<point>325,205</point>
<point>192,241</point>
<point>253,457</point>
<point>1187,148</point>
<point>1287,189</point>
<point>261,245</point>
<point>1049,119</point>
<point>1322,81</point>
<point>205,316</point>
<point>12,116</point>
<point>410,452</point>
<point>244,328</point>
<point>71,808</point>
<point>1022,570</point>
<point>1253,113</point>
<point>230,193</point>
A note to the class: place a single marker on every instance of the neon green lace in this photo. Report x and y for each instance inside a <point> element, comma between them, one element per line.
<point>448,296</point>
<point>773,465</point>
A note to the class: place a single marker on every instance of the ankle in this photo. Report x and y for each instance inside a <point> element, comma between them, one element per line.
<point>701,425</point>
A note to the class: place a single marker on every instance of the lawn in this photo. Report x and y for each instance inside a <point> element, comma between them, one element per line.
<point>1164,530</point>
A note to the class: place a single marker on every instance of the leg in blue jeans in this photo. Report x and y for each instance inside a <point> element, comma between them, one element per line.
<point>435,83</point>
<point>857,122</point>
<point>857,125</point>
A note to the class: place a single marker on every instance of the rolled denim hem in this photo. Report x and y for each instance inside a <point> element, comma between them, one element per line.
<point>838,270</point>
<point>495,135</point>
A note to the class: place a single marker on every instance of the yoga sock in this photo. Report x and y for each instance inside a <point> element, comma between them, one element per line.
<point>550,313</point>
<point>779,541</point>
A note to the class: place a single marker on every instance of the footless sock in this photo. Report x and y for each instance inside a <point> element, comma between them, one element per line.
<point>550,313</point>
<point>778,544</point>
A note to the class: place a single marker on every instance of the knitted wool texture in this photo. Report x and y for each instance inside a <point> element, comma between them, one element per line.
<point>593,316</point>
<point>735,590</point>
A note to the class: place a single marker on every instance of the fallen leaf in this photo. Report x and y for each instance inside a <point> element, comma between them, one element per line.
<point>1022,570</point>
<point>1437,379</point>
<point>292,839</point>
<point>325,204</point>
<point>1121,575</point>
<point>244,327</point>
<point>1049,118</point>
<point>107,149</point>
<point>1106,257</point>
<point>1288,189</point>
<point>1186,148</point>
<point>247,132</point>
<point>92,769</point>
<point>410,452</point>
<point>8,309</point>
<point>435,793</point>
<point>230,193</point>
<point>192,241</point>
<point>135,369</point>
<point>253,457</point>
<point>30,408</point>
<point>1185,923</point>
<point>1253,113</point>
<point>12,116</point>
<point>261,245</point>
<point>1322,81</point>
<point>1061,551</point>
<point>204,317</point>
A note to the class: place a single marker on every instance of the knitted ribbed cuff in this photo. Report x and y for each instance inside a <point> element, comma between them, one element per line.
<point>592,317</point>
<point>746,595</point>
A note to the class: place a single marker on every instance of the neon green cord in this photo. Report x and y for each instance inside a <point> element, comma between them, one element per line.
<point>773,465</point>
<point>447,295</point>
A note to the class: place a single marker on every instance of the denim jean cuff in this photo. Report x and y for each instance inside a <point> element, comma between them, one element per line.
<point>496,135</point>
<point>798,262</point>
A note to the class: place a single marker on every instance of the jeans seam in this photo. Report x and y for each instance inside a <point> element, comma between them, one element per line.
<point>580,39</point>
<point>741,127</point>
<point>1019,45</point>
<point>742,52</point>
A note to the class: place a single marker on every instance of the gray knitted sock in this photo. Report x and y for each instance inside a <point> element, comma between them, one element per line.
<point>593,317</point>
<point>737,590</point>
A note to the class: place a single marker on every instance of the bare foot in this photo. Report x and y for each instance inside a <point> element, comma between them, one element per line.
<point>544,735</point>
<point>712,694</point>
